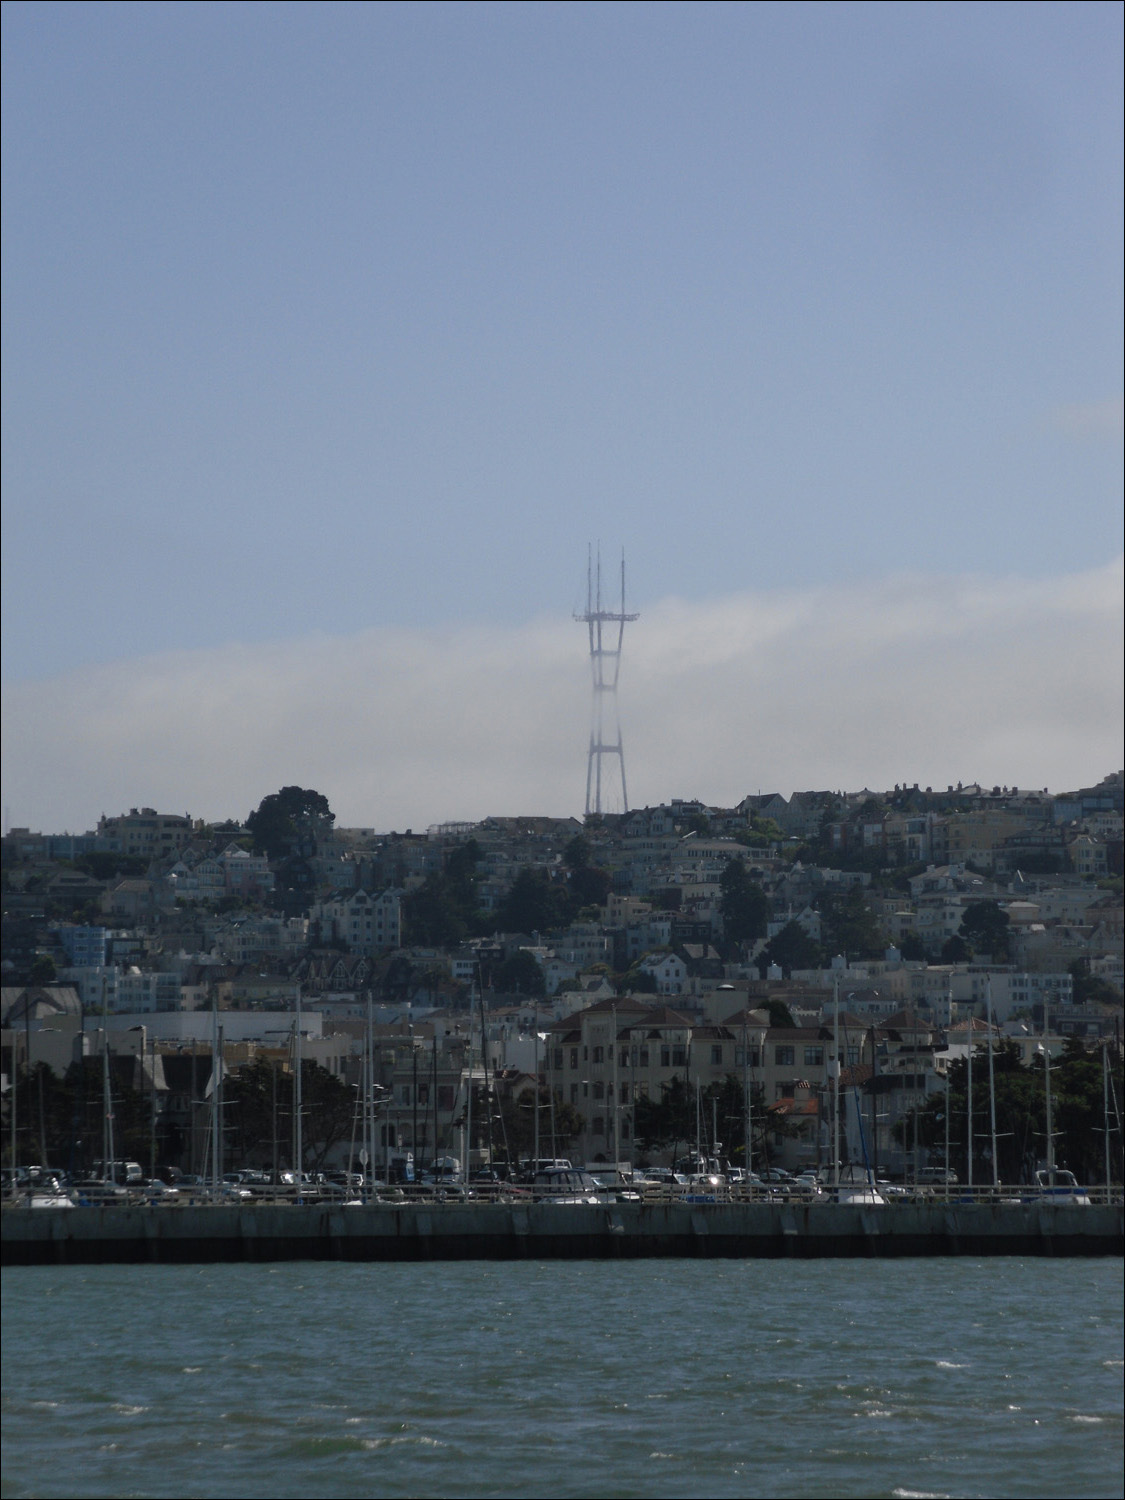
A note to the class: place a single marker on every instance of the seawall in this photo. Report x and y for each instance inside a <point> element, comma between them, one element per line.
<point>502,1231</point>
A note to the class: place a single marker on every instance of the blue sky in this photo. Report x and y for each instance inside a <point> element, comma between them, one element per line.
<point>333,324</point>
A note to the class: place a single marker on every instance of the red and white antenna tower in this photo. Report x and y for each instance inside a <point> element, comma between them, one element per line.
<point>606,629</point>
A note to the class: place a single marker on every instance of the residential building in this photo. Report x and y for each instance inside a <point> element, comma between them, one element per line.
<point>144,833</point>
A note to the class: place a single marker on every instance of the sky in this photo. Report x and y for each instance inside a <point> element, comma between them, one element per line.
<point>334,335</point>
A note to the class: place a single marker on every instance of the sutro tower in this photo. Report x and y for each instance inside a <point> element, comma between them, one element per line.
<point>605,666</point>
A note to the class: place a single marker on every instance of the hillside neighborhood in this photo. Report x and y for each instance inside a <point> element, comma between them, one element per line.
<point>615,990</point>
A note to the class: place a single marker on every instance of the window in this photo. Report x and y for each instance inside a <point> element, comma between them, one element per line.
<point>717,1055</point>
<point>599,1054</point>
<point>644,1057</point>
<point>445,1096</point>
<point>574,1057</point>
<point>814,1057</point>
<point>599,1090</point>
<point>679,1057</point>
<point>665,1057</point>
<point>624,1093</point>
<point>783,1056</point>
<point>624,1059</point>
<point>558,1059</point>
<point>574,1093</point>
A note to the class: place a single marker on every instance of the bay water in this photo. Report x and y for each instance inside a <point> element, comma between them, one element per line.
<point>998,1377</point>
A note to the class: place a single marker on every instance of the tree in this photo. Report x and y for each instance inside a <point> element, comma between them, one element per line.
<point>329,1109</point>
<point>792,948</point>
<point>912,948</point>
<point>723,1106</point>
<point>521,974</point>
<point>43,970</point>
<point>66,1116</point>
<point>781,1017</point>
<point>667,1121</point>
<point>576,855</point>
<point>286,820</point>
<point>517,1123</point>
<point>984,926</point>
<point>744,905</point>
<point>1079,1108</point>
<point>955,950</point>
<point>674,1119</point>
<point>588,886</point>
<point>103,866</point>
<point>849,925</point>
<point>259,1101</point>
<point>443,910</point>
<point>534,904</point>
<point>461,865</point>
<point>1089,986</point>
<point>435,917</point>
<point>399,980</point>
<point>761,832</point>
<point>1021,1115</point>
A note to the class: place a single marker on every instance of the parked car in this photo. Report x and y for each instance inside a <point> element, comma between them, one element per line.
<point>937,1177</point>
<point>806,1185</point>
<point>664,1177</point>
<point>156,1191</point>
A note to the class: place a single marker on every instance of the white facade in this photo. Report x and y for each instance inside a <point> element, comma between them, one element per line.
<point>363,922</point>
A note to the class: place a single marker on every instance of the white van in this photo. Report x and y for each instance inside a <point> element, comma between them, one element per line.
<point>125,1173</point>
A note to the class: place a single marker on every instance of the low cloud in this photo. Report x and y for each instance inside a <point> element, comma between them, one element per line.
<point>1002,680</point>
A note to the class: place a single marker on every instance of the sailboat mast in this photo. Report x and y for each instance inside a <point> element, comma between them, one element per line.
<point>991,1086</point>
<point>969,1105</point>
<point>836,1080</point>
<point>297,1097</point>
<point>109,1150</point>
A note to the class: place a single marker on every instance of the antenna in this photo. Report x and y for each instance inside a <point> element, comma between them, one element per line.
<point>605,668</point>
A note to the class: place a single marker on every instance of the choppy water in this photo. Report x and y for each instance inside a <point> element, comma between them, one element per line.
<point>822,1378</point>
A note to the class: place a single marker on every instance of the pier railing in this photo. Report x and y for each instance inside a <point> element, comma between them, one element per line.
<point>882,1195</point>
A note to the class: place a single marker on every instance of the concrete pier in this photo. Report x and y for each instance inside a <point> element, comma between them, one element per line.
<point>512,1231</point>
